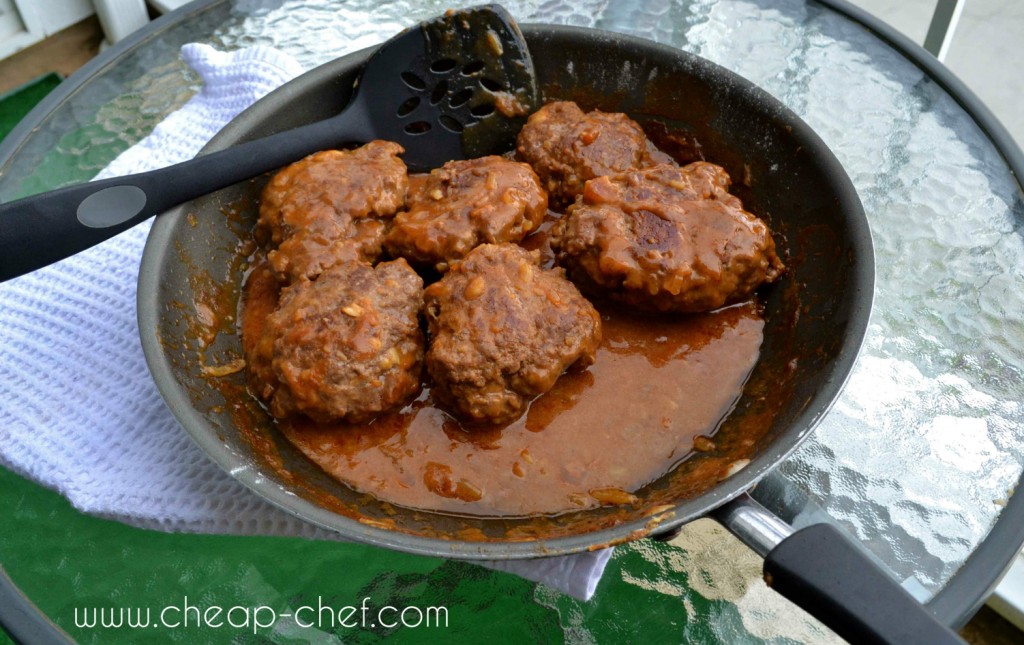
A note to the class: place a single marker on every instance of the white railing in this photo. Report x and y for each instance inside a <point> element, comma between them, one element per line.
<point>943,26</point>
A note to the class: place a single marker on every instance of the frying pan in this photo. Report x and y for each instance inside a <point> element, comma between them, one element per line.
<point>815,321</point>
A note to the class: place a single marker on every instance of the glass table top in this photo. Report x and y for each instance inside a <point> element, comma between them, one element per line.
<point>917,460</point>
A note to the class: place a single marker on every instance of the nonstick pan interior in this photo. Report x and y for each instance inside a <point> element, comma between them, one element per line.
<point>816,316</point>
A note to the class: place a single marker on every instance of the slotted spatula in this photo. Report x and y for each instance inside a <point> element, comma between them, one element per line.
<point>455,87</point>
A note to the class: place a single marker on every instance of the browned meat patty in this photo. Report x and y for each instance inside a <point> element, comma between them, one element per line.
<point>330,207</point>
<point>464,204</point>
<point>567,147</point>
<point>259,299</point>
<point>348,345</point>
<point>666,239</point>
<point>502,330</point>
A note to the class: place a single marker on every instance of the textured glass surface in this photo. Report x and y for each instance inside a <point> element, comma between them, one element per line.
<point>120,105</point>
<point>925,444</point>
<point>915,460</point>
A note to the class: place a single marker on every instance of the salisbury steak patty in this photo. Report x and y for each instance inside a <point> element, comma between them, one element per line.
<point>349,345</point>
<point>666,239</point>
<point>331,207</point>
<point>502,330</point>
<point>567,147</point>
<point>464,204</point>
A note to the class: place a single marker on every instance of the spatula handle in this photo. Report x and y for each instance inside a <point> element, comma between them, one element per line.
<point>39,230</point>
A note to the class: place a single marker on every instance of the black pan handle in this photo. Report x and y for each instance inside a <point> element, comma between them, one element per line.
<point>825,573</point>
<point>39,230</point>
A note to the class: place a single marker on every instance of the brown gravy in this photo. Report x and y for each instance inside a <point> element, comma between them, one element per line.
<point>659,383</point>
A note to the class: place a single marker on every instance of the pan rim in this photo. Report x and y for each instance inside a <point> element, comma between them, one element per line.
<point>862,276</point>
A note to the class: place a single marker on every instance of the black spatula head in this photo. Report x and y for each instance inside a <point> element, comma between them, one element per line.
<point>457,87</point>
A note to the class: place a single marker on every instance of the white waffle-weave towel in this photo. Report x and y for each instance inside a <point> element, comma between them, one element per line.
<point>79,412</point>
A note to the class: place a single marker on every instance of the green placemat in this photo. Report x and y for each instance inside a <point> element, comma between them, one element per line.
<point>15,104</point>
<point>65,562</point>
